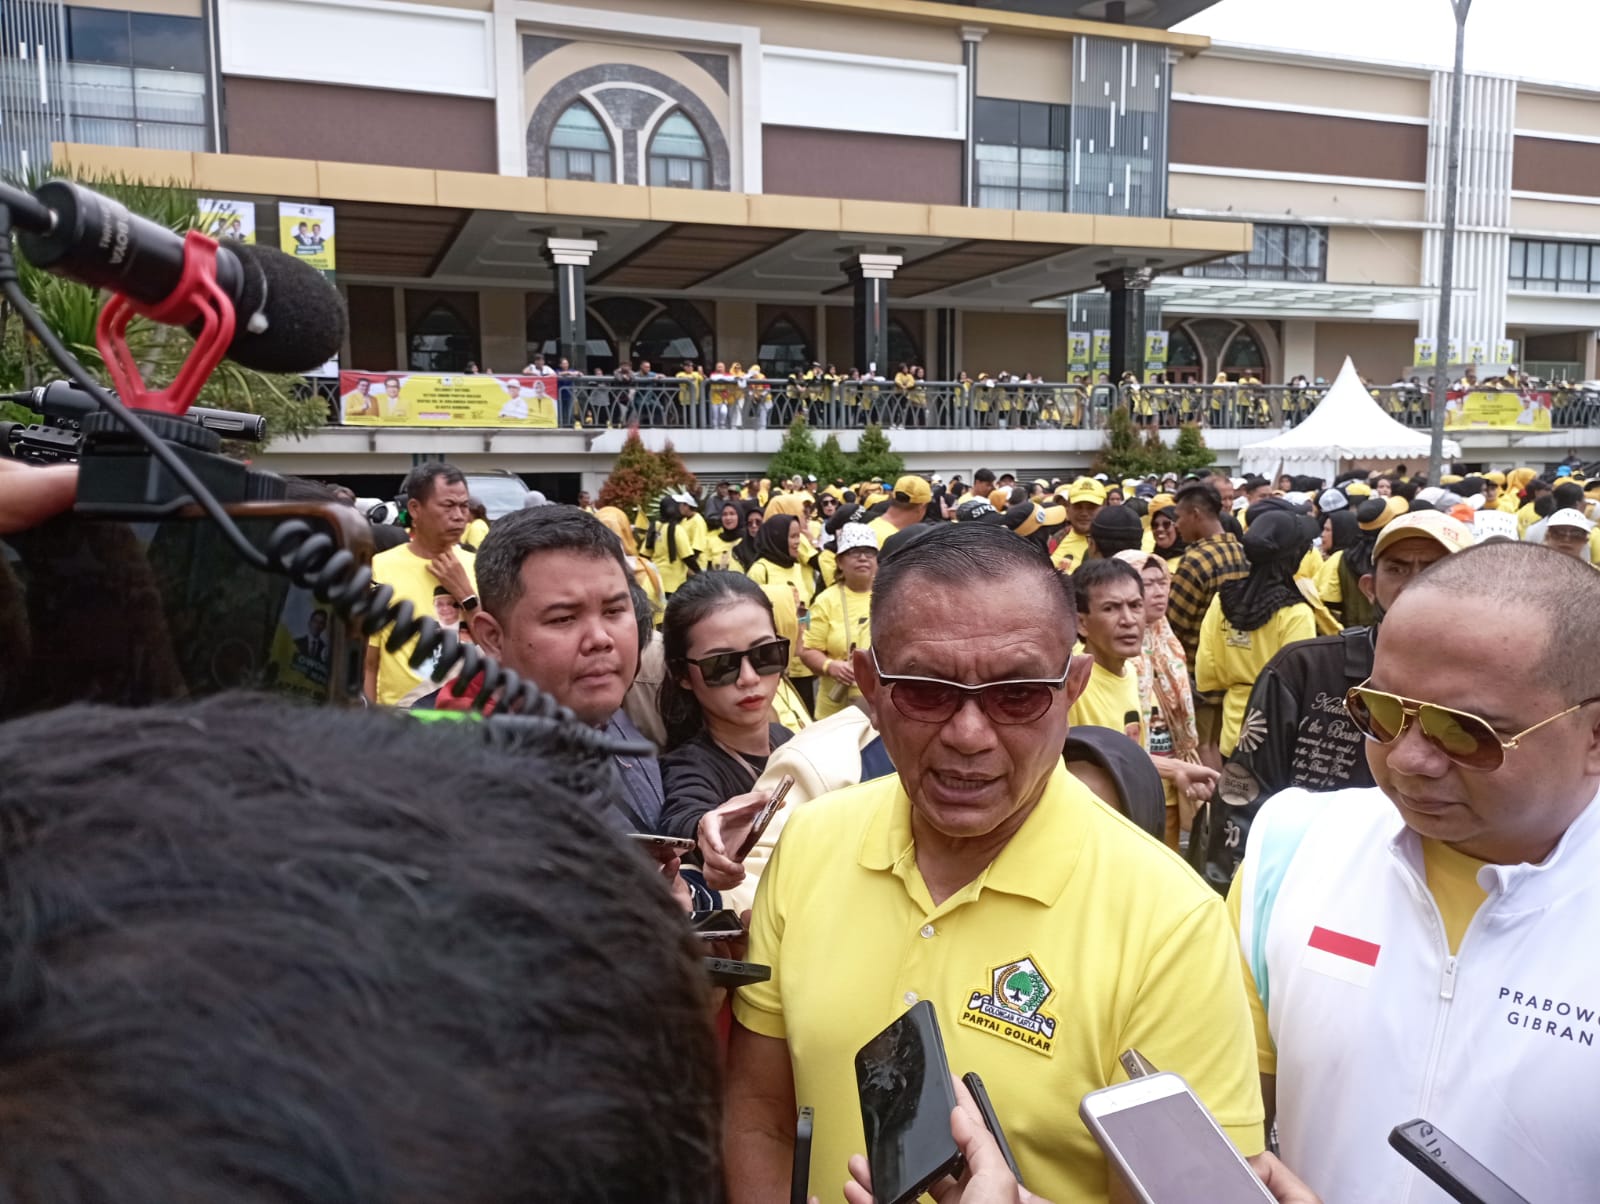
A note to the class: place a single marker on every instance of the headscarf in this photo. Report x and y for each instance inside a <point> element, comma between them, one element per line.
<point>671,516</point>
<point>722,532</point>
<point>746,551</point>
<point>1517,480</point>
<point>787,503</point>
<point>643,571</point>
<point>772,543</point>
<point>1275,544</point>
<point>1163,671</point>
<point>1346,530</point>
<point>1178,548</point>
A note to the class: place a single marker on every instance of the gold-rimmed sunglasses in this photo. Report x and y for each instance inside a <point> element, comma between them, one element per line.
<point>1467,739</point>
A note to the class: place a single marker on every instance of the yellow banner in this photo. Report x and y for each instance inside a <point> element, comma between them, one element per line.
<point>306,232</point>
<point>434,399</point>
<point>1498,411</point>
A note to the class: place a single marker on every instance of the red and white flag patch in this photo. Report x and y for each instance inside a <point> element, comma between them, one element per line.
<point>1338,955</point>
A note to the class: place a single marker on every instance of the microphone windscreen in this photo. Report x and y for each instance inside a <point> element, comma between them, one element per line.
<point>303,310</point>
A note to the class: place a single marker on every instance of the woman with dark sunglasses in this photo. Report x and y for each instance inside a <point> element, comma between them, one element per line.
<point>725,661</point>
<point>1164,527</point>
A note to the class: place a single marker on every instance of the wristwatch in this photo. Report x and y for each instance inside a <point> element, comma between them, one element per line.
<point>470,602</point>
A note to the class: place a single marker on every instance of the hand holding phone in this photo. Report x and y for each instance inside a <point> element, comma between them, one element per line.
<point>991,1121</point>
<point>724,830</point>
<point>907,1095</point>
<point>764,817</point>
<point>721,925</point>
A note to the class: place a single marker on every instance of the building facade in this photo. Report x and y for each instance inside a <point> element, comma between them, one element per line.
<point>856,182</point>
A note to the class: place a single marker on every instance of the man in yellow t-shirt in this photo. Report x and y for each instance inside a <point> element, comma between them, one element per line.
<point>1084,500</point>
<point>437,503</point>
<point>908,506</point>
<point>979,863</point>
<point>1110,599</point>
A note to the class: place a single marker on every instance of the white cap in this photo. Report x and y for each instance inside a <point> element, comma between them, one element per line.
<point>1240,502</point>
<point>852,536</point>
<point>687,498</point>
<point>1569,518</point>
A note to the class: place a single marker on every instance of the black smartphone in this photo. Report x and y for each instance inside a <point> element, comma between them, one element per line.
<point>1461,1176</point>
<point>800,1177</point>
<point>138,611</point>
<point>663,844</point>
<point>720,925</point>
<point>725,972</point>
<point>903,1079</point>
<point>980,1096</point>
<point>764,817</point>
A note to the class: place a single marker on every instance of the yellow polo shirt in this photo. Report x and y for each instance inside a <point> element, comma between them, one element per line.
<point>882,528</point>
<point>1085,969</point>
<point>1074,545</point>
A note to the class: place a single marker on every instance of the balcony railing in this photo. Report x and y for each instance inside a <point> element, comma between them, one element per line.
<point>598,402</point>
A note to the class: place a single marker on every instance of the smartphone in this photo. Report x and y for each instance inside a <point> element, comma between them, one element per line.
<point>1136,1064</point>
<point>725,972</point>
<point>764,817</point>
<point>1166,1146</point>
<point>135,611</point>
<point>800,1177</point>
<point>907,1095</point>
<point>673,844</point>
<point>721,925</point>
<point>980,1096</point>
<point>1461,1176</point>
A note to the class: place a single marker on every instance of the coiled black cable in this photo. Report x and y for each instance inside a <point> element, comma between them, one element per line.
<point>312,561</point>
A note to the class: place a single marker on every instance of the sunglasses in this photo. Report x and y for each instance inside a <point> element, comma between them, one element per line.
<point>1466,739</point>
<point>934,700</point>
<point>722,668</point>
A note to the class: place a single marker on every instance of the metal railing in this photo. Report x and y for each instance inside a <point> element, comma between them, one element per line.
<point>757,404</point>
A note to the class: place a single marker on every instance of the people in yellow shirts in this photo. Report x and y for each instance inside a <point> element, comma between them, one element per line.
<point>671,549</point>
<point>1252,618</point>
<point>840,622</point>
<point>1084,500</point>
<point>908,506</point>
<point>437,503</point>
<point>693,521</point>
<point>778,561</point>
<point>644,572</point>
<point>1110,597</point>
<point>720,550</point>
<point>478,529</point>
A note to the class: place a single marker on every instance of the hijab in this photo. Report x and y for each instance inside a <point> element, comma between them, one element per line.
<point>745,551</point>
<point>643,571</point>
<point>1346,530</point>
<point>792,504</point>
<point>722,532</point>
<point>1275,544</point>
<point>1178,548</point>
<point>772,543</point>
<point>1163,670</point>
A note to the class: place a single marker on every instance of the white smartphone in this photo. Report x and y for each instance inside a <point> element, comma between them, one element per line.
<point>1166,1146</point>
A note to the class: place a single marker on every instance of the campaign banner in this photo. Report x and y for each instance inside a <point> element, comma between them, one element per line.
<point>1155,347</point>
<point>227,220</point>
<point>1477,351</point>
<point>440,399</point>
<point>1078,350</point>
<point>1423,353</point>
<point>1498,410</point>
<point>1505,352</point>
<point>306,232</point>
<point>1102,349</point>
<point>1453,351</point>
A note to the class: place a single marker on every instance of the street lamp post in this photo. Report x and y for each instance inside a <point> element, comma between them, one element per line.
<point>1447,256</point>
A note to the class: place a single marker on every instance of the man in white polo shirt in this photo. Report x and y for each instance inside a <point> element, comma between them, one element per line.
<point>1425,947</point>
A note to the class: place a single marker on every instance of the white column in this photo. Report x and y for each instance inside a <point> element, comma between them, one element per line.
<point>1299,349</point>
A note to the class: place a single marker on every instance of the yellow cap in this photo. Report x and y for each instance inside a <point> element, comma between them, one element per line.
<point>1358,489</point>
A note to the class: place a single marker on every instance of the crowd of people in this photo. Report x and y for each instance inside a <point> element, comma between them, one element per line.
<point>1261,778</point>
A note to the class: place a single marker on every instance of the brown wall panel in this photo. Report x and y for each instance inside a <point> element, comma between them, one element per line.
<point>867,167</point>
<point>1261,140</point>
<point>371,310</point>
<point>359,125</point>
<point>1549,165</point>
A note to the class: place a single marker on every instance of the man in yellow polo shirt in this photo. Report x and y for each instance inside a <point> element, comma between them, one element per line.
<point>908,506</point>
<point>1084,500</point>
<point>979,861</point>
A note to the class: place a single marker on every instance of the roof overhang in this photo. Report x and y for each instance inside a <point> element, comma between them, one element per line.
<point>448,229</point>
<point>1299,299</point>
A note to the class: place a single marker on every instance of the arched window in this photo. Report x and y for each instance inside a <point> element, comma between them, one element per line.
<point>678,156</point>
<point>783,350</point>
<point>1243,354</point>
<point>903,348</point>
<point>668,344</point>
<point>580,147</point>
<point>442,341</point>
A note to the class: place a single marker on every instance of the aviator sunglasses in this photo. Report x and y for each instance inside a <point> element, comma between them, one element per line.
<point>934,700</point>
<point>1466,739</point>
<point>722,668</point>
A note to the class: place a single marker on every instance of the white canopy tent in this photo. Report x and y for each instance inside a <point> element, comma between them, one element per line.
<point>1347,429</point>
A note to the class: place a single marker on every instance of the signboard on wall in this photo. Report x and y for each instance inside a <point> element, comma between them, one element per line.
<point>438,399</point>
<point>1497,410</point>
<point>1423,353</point>
<point>306,232</point>
<point>225,219</point>
<point>1102,351</point>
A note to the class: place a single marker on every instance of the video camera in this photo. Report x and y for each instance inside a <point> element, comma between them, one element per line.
<point>181,571</point>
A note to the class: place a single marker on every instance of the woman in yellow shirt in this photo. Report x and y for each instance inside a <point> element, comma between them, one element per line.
<point>1252,618</point>
<point>778,562</point>
<point>671,550</point>
<point>720,550</point>
<point>643,571</point>
<point>839,619</point>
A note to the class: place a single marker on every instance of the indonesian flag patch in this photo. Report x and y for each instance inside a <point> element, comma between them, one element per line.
<point>1338,955</point>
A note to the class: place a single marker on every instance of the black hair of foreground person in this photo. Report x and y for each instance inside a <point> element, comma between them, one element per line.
<point>259,953</point>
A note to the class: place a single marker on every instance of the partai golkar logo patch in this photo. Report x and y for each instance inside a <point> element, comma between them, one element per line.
<point>1012,1006</point>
